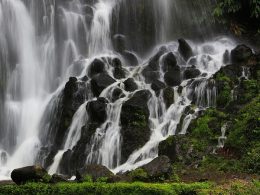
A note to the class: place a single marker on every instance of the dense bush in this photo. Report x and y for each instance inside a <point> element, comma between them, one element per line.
<point>240,14</point>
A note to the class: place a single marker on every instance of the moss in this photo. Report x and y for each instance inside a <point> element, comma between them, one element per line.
<point>139,175</point>
<point>251,160</point>
<point>249,89</point>
<point>107,189</point>
<point>87,178</point>
<point>246,128</point>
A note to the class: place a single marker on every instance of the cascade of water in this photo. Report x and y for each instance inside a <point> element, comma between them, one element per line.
<point>45,43</point>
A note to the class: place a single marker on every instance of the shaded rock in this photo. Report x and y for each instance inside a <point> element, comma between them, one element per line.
<point>95,171</point>
<point>151,76</point>
<point>96,67</point>
<point>157,85</point>
<point>191,73</point>
<point>97,110</point>
<point>168,148</point>
<point>30,173</point>
<point>130,58</point>
<point>119,43</point>
<point>241,53</point>
<point>159,168</point>
<point>226,57</point>
<point>169,62</point>
<point>99,82</point>
<point>56,178</point>
<point>119,73</point>
<point>117,94</point>
<point>135,123</point>
<point>168,96</point>
<point>185,49</point>
<point>173,78</point>
<point>130,85</point>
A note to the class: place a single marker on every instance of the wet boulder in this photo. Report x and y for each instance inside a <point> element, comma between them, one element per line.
<point>99,82</point>
<point>185,49</point>
<point>30,173</point>
<point>94,171</point>
<point>191,73</point>
<point>96,67</point>
<point>130,85</point>
<point>135,123</point>
<point>226,57</point>
<point>173,77</point>
<point>168,148</point>
<point>119,43</point>
<point>169,62</point>
<point>151,76</point>
<point>97,110</point>
<point>168,96</point>
<point>157,86</point>
<point>117,94</point>
<point>158,169</point>
<point>130,58</point>
<point>56,178</point>
<point>241,53</point>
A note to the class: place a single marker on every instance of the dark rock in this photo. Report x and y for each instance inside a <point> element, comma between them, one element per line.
<point>97,110</point>
<point>135,123</point>
<point>96,67</point>
<point>116,63</point>
<point>157,86</point>
<point>185,49</point>
<point>173,78</point>
<point>130,58</point>
<point>191,73</point>
<point>95,171</point>
<point>241,53</point>
<point>30,173</point>
<point>159,168</point>
<point>117,94</point>
<point>99,82</point>
<point>168,96</point>
<point>226,57</point>
<point>150,76</point>
<point>119,43</point>
<point>168,148</point>
<point>130,85</point>
<point>55,178</point>
<point>169,62</point>
<point>119,73</point>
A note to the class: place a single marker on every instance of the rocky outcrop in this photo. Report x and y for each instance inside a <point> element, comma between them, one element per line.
<point>97,110</point>
<point>96,67</point>
<point>99,82</point>
<point>190,73</point>
<point>241,53</point>
<point>173,77</point>
<point>185,49</point>
<point>168,96</point>
<point>94,171</point>
<point>130,85</point>
<point>134,121</point>
<point>30,173</point>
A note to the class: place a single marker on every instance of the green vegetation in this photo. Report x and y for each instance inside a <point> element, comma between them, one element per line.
<point>233,187</point>
<point>102,188</point>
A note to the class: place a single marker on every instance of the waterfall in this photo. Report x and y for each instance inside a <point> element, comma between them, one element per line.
<point>47,83</point>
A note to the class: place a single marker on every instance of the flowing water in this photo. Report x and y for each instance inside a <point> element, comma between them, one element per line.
<point>43,43</point>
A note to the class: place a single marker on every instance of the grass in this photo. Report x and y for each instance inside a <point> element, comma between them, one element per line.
<point>234,187</point>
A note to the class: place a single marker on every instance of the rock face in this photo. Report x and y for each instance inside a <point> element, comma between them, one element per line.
<point>97,110</point>
<point>62,108</point>
<point>168,96</point>
<point>185,49</point>
<point>130,85</point>
<point>30,173</point>
<point>157,85</point>
<point>95,171</point>
<point>241,54</point>
<point>134,120</point>
<point>130,58</point>
<point>168,148</point>
<point>191,73</point>
<point>173,77</point>
<point>169,62</point>
<point>96,67</point>
<point>99,82</point>
<point>158,168</point>
<point>55,178</point>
